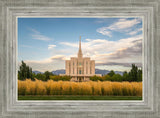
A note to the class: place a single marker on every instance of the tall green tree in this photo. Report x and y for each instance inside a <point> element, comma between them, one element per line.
<point>111,73</point>
<point>47,75</point>
<point>25,72</point>
<point>135,74</point>
<point>139,75</point>
<point>116,77</point>
<point>125,76</point>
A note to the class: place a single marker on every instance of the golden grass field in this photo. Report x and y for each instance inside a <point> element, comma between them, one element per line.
<point>105,88</point>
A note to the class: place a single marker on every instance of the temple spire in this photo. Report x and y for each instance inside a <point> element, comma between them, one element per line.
<point>80,43</point>
<point>80,51</point>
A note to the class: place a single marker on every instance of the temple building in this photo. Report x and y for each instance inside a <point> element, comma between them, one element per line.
<point>80,68</point>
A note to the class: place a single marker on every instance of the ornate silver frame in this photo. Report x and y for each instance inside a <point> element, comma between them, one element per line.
<point>149,10</point>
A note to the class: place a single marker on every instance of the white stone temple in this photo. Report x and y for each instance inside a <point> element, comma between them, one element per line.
<point>80,68</point>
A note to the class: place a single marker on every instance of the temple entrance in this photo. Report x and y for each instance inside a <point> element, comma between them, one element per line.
<point>80,79</point>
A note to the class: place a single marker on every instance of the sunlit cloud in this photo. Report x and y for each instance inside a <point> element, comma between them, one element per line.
<point>105,51</point>
<point>50,64</point>
<point>58,57</point>
<point>46,65</point>
<point>122,25</point>
<point>135,32</point>
<point>51,47</point>
<point>104,31</point>
<point>47,60</point>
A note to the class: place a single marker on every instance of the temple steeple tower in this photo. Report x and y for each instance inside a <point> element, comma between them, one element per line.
<point>80,68</point>
<point>80,55</point>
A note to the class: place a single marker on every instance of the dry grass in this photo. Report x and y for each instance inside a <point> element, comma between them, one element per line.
<point>51,87</point>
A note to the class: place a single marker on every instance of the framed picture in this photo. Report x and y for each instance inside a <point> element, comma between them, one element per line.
<point>83,69</point>
<point>79,59</point>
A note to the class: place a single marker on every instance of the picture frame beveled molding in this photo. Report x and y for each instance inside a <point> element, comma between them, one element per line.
<point>149,10</point>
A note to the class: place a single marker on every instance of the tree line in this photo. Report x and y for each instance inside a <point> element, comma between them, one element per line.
<point>134,74</point>
<point>25,72</point>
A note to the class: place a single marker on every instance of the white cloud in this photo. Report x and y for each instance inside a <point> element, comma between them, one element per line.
<point>88,39</point>
<point>105,51</point>
<point>104,31</point>
<point>135,32</point>
<point>38,36</point>
<point>50,64</point>
<point>35,31</point>
<point>69,44</point>
<point>48,60</point>
<point>124,24</point>
<point>51,47</point>
<point>53,65</point>
<point>114,67</point>
<point>59,57</point>
<point>121,25</point>
<point>121,53</point>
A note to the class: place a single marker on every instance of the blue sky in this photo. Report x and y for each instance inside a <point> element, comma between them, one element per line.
<point>114,43</point>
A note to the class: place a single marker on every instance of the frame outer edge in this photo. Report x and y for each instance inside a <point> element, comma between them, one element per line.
<point>158,59</point>
<point>1,56</point>
<point>157,49</point>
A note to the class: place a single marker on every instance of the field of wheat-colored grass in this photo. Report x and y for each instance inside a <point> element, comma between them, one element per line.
<point>105,88</point>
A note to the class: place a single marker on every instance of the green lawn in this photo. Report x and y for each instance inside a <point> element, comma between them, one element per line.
<point>65,97</point>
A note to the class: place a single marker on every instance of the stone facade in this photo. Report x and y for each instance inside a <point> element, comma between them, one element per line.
<point>80,68</point>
